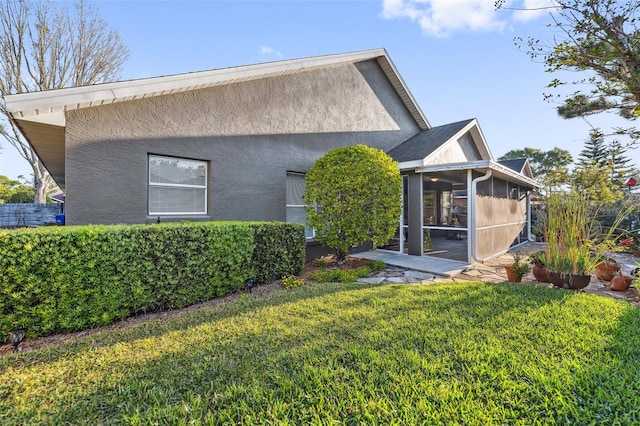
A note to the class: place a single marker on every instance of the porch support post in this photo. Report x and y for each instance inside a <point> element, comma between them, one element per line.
<point>470,216</point>
<point>414,214</point>
<point>530,236</point>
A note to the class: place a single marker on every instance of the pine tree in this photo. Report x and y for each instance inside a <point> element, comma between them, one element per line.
<point>621,170</point>
<point>595,150</point>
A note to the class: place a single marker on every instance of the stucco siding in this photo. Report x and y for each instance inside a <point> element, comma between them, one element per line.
<point>458,151</point>
<point>250,134</point>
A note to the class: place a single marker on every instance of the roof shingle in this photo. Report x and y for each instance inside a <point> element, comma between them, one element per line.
<point>424,143</point>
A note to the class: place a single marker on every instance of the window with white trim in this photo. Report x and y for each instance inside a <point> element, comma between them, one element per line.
<point>296,212</point>
<point>177,186</point>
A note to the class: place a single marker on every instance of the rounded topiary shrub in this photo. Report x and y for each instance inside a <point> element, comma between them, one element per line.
<point>353,196</point>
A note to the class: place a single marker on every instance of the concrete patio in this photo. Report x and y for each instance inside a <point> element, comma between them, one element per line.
<point>429,269</point>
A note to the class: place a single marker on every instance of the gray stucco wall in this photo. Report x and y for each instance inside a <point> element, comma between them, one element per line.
<point>250,133</point>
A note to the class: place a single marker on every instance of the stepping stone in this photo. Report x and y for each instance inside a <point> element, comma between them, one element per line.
<point>410,273</point>
<point>395,280</point>
<point>374,280</point>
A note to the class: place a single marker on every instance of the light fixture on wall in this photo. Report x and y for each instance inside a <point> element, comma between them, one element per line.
<point>434,178</point>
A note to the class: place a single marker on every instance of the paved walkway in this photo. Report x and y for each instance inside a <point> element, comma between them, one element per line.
<point>425,270</point>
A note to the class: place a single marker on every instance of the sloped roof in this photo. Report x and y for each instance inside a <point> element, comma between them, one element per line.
<point>41,115</point>
<point>520,165</point>
<point>456,142</point>
<point>515,164</point>
<point>425,142</point>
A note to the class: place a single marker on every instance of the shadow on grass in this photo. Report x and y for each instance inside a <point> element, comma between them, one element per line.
<point>461,353</point>
<point>175,322</point>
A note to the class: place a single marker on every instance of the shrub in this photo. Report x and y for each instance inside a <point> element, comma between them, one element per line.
<point>279,250</point>
<point>292,281</point>
<point>60,279</point>
<point>358,190</point>
<point>377,265</point>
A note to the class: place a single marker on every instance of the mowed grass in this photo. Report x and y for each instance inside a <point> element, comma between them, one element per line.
<point>461,353</point>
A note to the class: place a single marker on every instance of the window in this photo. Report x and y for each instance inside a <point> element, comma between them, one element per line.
<point>177,186</point>
<point>295,203</point>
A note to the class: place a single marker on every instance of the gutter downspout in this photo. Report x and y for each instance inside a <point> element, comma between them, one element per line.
<point>474,242</point>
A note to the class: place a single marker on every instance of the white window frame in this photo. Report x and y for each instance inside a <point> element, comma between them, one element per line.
<point>302,206</point>
<point>176,185</point>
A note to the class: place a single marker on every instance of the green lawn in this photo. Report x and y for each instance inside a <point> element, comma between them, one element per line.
<point>452,353</point>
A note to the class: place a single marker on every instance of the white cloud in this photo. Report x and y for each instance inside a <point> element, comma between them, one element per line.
<point>441,18</point>
<point>268,51</point>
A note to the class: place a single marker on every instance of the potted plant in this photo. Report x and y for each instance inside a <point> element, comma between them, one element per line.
<point>607,269</point>
<point>539,270</point>
<point>518,269</point>
<point>575,239</point>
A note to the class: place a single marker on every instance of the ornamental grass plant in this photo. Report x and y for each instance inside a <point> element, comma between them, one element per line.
<point>577,241</point>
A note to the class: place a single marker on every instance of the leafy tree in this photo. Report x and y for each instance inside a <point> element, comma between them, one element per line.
<point>594,181</point>
<point>7,187</point>
<point>549,167</point>
<point>599,39</point>
<point>14,191</point>
<point>24,194</point>
<point>353,196</point>
<point>48,45</point>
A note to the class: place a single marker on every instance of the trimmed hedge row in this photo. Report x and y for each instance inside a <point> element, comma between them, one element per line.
<point>61,279</point>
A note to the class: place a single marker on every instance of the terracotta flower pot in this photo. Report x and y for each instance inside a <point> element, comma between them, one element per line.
<point>511,276</point>
<point>606,272</point>
<point>618,283</point>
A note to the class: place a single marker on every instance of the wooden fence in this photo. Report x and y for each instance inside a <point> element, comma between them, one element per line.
<point>23,214</point>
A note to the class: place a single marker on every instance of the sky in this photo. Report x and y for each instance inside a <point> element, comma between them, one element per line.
<point>457,57</point>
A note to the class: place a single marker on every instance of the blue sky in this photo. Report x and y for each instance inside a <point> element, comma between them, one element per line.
<point>457,57</point>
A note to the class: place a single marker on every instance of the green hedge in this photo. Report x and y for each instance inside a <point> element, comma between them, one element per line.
<point>279,251</point>
<point>60,279</point>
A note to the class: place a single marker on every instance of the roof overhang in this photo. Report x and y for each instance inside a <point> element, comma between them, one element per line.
<point>497,169</point>
<point>473,128</point>
<point>41,115</point>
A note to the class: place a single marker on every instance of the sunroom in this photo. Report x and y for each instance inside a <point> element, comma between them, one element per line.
<point>458,202</point>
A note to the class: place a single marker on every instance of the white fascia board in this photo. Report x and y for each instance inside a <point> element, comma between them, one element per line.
<point>482,146</point>
<point>483,164</point>
<point>515,175</point>
<point>29,106</point>
<point>403,90</point>
<point>409,165</point>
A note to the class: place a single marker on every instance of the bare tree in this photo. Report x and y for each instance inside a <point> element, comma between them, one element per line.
<point>51,45</point>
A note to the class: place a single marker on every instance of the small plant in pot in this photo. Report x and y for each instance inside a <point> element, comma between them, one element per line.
<point>607,269</point>
<point>518,269</point>
<point>539,270</point>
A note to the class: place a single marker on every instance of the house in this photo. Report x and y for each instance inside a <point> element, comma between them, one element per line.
<point>234,144</point>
